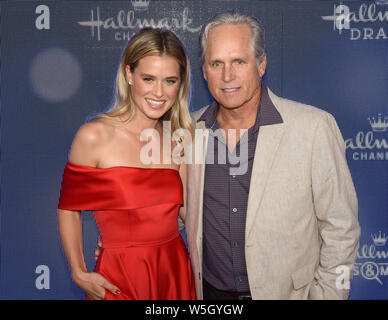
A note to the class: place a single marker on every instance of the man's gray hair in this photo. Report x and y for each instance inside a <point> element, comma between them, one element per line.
<point>257,29</point>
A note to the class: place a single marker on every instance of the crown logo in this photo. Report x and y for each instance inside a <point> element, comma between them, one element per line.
<point>379,125</point>
<point>140,5</point>
<point>379,240</point>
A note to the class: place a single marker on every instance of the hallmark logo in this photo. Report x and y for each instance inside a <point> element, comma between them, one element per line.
<point>379,125</point>
<point>374,13</point>
<point>367,146</point>
<point>126,20</point>
<point>140,5</point>
<point>373,268</point>
<point>379,240</point>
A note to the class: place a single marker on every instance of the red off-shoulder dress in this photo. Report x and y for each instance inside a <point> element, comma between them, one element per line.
<point>136,211</point>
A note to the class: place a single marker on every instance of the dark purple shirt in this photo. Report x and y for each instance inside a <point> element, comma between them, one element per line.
<point>226,199</point>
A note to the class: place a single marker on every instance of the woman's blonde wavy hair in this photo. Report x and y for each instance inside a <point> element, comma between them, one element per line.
<point>152,42</point>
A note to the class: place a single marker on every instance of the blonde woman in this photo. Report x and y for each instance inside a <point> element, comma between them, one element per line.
<point>135,204</point>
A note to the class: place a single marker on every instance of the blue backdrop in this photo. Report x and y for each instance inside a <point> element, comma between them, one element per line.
<point>58,61</point>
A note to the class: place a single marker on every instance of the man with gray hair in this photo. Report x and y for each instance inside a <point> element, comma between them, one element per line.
<point>287,228</point>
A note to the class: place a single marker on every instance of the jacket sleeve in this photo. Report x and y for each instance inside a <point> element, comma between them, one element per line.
<point>336,209</point>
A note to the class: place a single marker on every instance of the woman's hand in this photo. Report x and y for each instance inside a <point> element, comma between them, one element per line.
<point>94,285</point>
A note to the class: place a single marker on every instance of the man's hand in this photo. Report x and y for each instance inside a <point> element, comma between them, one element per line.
<point>97,251</point>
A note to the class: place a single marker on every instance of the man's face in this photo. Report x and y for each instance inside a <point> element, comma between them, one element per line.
<point>230,66</point>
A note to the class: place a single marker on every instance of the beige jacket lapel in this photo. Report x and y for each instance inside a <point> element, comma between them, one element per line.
<point>200,177</point>
<point>267,145</point>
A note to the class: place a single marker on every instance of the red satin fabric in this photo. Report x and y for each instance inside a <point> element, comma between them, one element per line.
<point>136,211</point>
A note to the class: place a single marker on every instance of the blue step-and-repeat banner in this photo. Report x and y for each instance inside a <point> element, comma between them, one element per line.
<point>58,61</point>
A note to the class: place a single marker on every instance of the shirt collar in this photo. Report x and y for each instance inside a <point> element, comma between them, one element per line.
<point>267,113</point>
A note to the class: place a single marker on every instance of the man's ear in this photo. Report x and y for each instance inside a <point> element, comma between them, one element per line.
<point>128,74</point>
<point>204,72</point>
<point>263,65</point>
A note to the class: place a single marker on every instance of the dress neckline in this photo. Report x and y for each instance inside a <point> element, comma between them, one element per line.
<point>118,167</point>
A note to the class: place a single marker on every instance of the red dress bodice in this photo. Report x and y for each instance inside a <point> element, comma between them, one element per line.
<point>136,211</point>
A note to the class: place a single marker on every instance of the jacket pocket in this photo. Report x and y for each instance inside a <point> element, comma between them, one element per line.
<point>303,276</point>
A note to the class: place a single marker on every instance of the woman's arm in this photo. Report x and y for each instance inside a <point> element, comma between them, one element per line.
<point>70,230</point>
<point>83,151</point>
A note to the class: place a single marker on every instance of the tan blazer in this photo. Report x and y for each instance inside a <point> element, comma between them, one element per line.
<point>302,208</point>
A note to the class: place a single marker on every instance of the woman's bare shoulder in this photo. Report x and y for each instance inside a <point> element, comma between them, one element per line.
<point>95,132</point>
<point>89,140</point>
